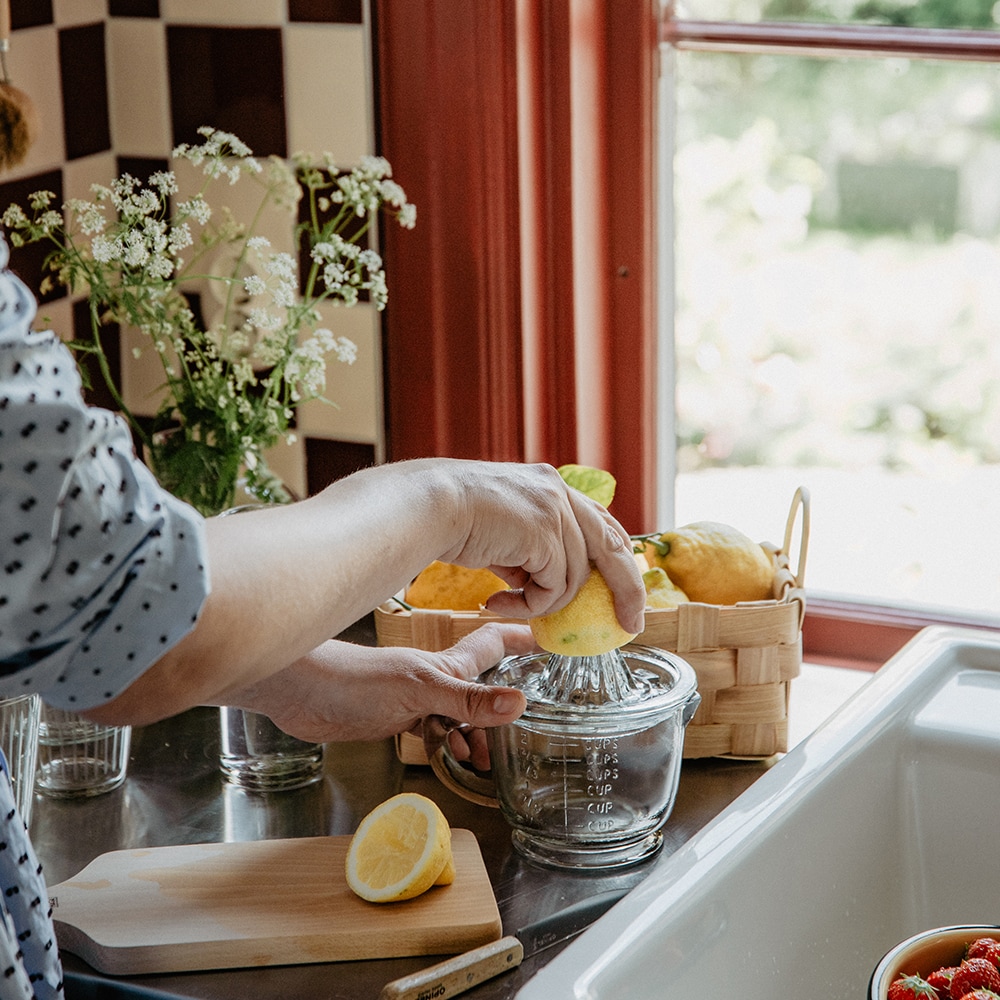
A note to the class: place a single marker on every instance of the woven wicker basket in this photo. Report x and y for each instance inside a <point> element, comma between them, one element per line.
<point>745,655</point>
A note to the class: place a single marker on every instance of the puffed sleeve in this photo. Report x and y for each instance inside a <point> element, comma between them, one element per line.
<point>101,571</point>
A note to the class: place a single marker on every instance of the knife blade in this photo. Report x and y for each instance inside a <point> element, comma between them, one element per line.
<point>460,973</point>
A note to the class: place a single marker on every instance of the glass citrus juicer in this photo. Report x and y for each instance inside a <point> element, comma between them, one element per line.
<point>588,774</point>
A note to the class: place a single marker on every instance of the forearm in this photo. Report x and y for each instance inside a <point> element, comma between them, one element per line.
<point>290,577</point>
<point>285,579</point>
<point>341,691</point>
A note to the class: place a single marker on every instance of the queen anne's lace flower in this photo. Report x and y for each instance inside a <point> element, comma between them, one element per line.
<point>254,284</point>
<point>346,350</point>
<point>196,208</point>
<point>106,249</point>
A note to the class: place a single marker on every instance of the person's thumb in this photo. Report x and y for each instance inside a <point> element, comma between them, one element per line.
<point>468,703</point>
<point>487,706</point>
<point>473,703</point>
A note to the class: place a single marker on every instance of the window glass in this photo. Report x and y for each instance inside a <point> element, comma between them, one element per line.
<point>981,14</point>
<point>838,314</point>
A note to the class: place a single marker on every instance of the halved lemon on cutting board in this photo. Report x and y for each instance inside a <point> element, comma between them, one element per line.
<point>401,848</point>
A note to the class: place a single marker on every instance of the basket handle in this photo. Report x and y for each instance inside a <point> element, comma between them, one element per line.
<point>800,503</point>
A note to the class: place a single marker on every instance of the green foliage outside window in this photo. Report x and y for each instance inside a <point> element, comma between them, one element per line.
<point>964,14</point>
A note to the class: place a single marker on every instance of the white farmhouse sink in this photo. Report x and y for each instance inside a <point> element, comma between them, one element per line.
<point>882,823</point>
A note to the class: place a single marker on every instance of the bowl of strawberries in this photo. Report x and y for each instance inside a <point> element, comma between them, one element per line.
<point>961,962</point>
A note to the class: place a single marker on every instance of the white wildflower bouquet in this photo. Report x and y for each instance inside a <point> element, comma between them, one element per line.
<point>230,390</point>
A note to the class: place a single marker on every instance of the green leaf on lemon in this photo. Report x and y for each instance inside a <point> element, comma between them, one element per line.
<point>594,483</point>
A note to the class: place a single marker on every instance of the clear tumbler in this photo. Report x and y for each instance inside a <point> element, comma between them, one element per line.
<point>79,758</point>
<point>257,755</point>
<point>19,742</point>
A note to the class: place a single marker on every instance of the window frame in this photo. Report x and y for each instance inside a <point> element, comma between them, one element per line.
<point>838,630</point>
<point>795,38</point>
<point>525,298</point>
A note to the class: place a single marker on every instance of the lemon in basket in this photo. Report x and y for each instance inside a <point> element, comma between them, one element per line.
<point>587,626</point>
<point>714,563</point>
<point>661,591</point>
<point>401,848</point>
<point>446,587</point>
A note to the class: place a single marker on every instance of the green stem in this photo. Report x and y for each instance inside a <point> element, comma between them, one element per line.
<point>102,363</point>
<point>654,539</point>
<point>244,249</point>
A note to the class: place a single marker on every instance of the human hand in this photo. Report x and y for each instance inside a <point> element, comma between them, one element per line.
<point>349,692</point>
<point>541,536</point>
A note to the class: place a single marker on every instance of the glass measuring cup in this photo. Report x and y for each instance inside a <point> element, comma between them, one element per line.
<point>587,776</point>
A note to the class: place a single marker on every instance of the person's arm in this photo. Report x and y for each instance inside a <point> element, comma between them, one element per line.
<point>286,579</point>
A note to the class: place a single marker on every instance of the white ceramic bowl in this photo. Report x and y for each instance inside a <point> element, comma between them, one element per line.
<point>925,952</point>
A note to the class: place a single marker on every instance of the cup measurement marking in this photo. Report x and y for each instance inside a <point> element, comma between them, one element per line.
<point>593,804</point>
<point>601,758</point>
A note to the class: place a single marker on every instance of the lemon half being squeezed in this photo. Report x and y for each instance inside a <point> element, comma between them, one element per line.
<point>587,626</point>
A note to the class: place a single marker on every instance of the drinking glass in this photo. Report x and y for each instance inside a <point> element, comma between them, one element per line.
<point>257,755</point>
<point>19,742</point>
<point>78,758</point>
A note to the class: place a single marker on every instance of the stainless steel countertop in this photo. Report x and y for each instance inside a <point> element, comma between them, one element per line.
<point>174,794</point>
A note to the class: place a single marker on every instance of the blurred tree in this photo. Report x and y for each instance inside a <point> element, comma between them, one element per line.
<point>928,13</point>
<point>895,13</point>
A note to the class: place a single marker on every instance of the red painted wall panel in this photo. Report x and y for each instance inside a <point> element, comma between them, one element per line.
<point>522,316</point>
<point>447,122</point>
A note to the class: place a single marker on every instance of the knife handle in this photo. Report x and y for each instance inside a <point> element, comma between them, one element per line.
<point>458,974</point>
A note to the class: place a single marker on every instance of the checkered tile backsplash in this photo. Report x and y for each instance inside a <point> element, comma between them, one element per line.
<point>118,83</point>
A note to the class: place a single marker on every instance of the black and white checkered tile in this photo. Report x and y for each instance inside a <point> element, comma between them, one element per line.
<point>118,83</point>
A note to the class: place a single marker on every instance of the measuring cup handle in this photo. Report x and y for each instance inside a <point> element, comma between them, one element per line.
<point>461,780</point>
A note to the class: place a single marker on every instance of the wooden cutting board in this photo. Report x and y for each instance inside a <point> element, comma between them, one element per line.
<point>267,902</point>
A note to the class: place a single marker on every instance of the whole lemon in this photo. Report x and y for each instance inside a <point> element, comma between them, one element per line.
<point>587,626</point>
<point>714,563</point>
<point>444,586</point>
<point>661,591</point>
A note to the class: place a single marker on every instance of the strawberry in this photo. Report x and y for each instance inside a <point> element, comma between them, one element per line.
<point>940,979</point>
<point>983,948</point>
<point>911,988</point>
<point>981,995</point>
<point>987,948</point>
<point>974,974</point>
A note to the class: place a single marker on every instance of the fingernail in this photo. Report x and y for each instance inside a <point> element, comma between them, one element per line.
<point>506,702</point>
